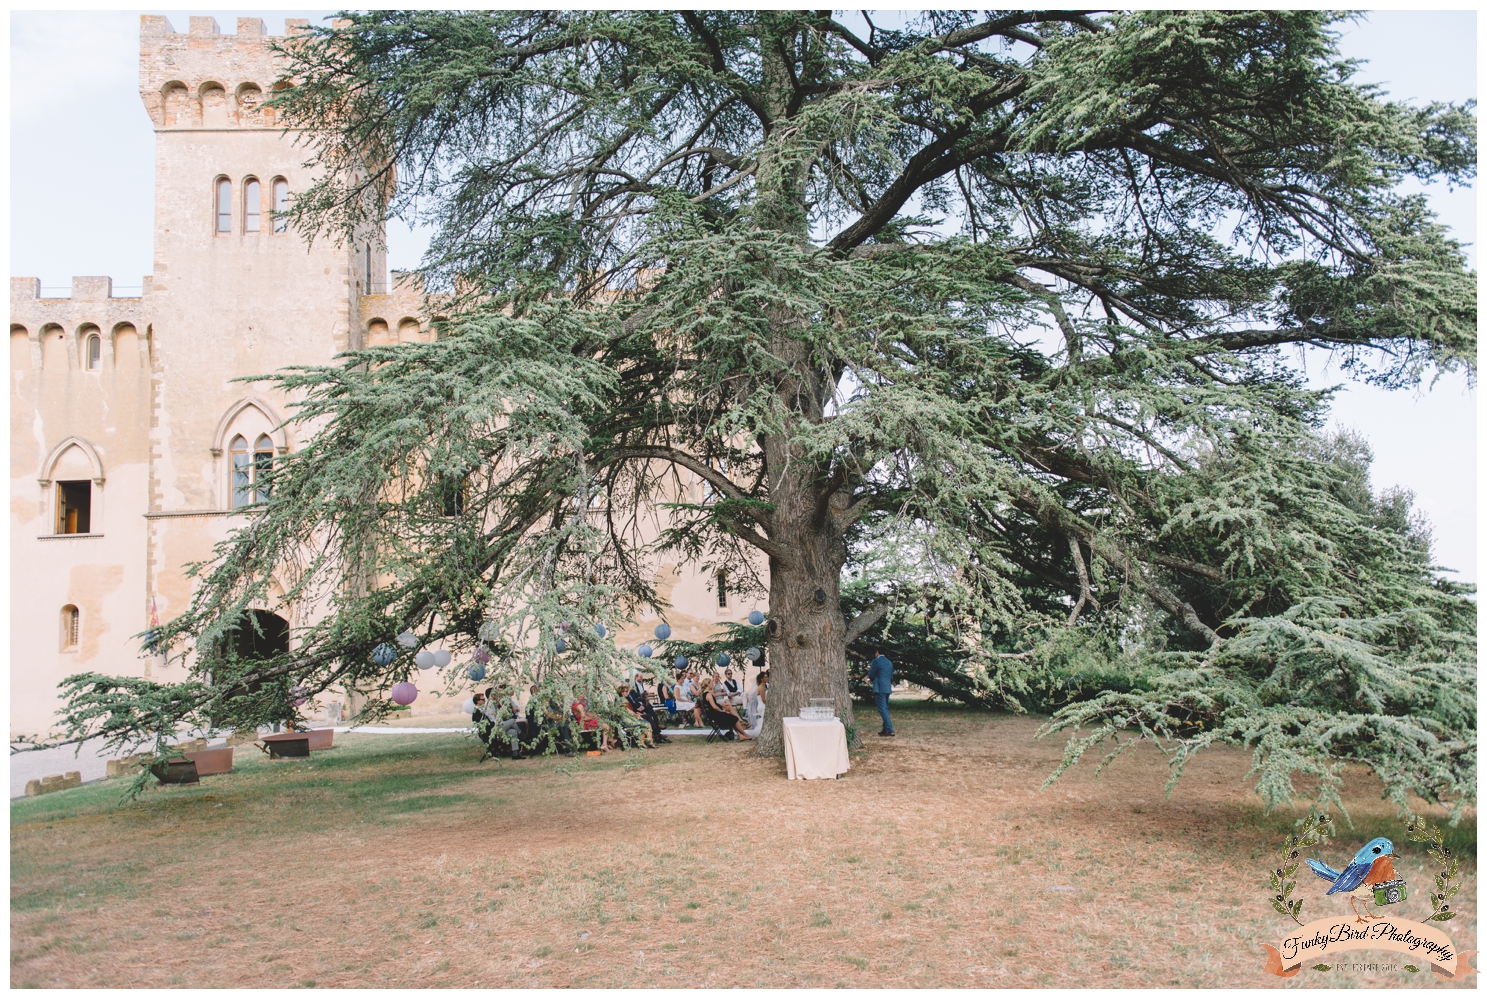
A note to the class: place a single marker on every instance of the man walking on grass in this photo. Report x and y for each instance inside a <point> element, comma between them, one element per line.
<point>880,674</point>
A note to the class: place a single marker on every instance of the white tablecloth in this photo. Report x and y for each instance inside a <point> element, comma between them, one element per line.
<point>815,749</point>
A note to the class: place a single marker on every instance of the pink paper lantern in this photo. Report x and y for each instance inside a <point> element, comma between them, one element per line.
<point>482,656</point>
<point>404,693</point>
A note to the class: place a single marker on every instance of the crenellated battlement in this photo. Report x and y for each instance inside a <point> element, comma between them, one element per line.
<point>203,79</point>
<point>89,288</point>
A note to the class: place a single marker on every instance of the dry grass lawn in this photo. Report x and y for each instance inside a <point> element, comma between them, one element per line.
<point>395,861</point>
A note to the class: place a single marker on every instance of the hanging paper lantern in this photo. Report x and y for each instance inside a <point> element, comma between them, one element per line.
<point>404,693</point>
<point>384,654</point>
<point>724,659</point>
<point>424,659</point>
<point>298,693</point>
<point>469,706</point>
<point>752,655</point>
<point>756,618</point>
<point>663,631</point>
<point>408,640</point>
<point>680,662</point>
<point>441,658</point>
<point>601,630</point>
<point>482,655</point>
<point>561,646</point>
<point>477,672</point>
<point>563,626</point>
<point>644,652</point>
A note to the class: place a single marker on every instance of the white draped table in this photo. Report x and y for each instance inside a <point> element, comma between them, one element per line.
<point>815,750</point>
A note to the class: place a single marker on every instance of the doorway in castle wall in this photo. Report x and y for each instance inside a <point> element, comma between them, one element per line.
<point>260,635</point>
<point>270,637</point>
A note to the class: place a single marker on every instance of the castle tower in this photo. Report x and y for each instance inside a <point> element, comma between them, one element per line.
<point>133,441</point>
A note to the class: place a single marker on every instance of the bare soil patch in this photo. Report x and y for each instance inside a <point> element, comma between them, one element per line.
<point>938,861</point>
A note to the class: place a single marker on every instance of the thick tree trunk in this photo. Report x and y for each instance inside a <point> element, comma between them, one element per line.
<point>807,632</point>
<point>807,654</point>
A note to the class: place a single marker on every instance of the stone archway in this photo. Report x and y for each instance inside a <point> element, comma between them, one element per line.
<point>270,637</point>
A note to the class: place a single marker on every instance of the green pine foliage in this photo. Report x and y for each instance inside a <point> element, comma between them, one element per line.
<point>988,316</point>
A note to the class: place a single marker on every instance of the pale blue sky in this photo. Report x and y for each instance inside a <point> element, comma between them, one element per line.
<point>82,175</point>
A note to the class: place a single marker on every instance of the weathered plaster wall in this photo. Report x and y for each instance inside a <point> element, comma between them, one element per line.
<point>156,418</point>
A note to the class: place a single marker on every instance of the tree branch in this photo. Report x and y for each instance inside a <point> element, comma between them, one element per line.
<point>870,616</point>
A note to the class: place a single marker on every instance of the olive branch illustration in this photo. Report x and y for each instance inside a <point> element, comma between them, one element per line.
<point>1448,878</point>
<point>1283,878</point>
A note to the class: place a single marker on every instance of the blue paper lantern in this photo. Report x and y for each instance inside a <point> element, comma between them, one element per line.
<point>663,631</point>
<point>644,651</point>
<point>756,618</point>
<point>477,672</point>
<point>384,654</point>
<point>561,645</point>
<point>724,659</point>
<point>681,662</point>
<point>602,631</point>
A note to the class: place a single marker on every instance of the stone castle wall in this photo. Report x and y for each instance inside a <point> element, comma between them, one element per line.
<point>149,423</point>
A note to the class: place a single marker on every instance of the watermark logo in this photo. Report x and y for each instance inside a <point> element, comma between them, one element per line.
<point>1369,882</point>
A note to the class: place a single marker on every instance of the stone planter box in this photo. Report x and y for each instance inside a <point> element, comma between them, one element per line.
<point>176,772</point>
<point>212,761</point>
<point>287,745</point>
<point>321,738</point>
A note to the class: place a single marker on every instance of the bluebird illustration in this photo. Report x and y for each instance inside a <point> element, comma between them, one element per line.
<point>1371,865</point>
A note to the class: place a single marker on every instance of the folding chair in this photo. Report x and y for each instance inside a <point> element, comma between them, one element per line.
<point>720,724</point>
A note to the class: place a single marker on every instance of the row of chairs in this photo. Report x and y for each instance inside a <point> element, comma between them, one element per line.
<point>720,723</point>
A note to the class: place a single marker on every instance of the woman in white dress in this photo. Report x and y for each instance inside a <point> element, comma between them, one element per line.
<point>756,706</point>
<point>686,701</point>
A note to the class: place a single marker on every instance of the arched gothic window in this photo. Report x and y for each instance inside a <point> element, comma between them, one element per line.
<point>252,206</point>
<point>95,352</point>
<point>281,205</point>
<point>224,205</point>
<point>263,464</point>
<point>250,470</point>
<point>70,628</point>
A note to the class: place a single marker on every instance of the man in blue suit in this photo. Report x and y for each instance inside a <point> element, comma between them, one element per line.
<point>880,674</point>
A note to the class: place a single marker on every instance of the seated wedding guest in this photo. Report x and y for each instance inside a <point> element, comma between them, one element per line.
<point>485,729</point>
<point>630,725</point>
<point>721,712</point>
<point>731,689</point>
<point>640,705</point>
<point>547,724</point>
<point>590,722</point>
<point>666,695</point>
<point>507,719</point>
<point>686,700</point>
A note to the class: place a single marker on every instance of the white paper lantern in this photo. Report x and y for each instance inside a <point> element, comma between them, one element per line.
<point>408,640</point>
<point>441,658</point>
<point>424,659</point>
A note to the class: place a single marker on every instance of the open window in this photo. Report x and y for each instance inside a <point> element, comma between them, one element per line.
<point>75,506</point>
